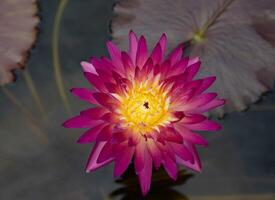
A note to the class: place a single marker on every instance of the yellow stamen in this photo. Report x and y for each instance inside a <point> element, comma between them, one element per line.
<point>145,107</point>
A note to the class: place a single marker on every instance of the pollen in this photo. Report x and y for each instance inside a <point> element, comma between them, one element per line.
<point>145,107</point>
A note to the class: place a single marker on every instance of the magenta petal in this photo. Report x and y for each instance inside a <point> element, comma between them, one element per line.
<point>155,152</point>
<point>182,152</point>
<point>133,45</point>
<point>127,62</point>
<point>105,134</point>
<point>119,137</point>
<point>194,138</point>
<point>163,42</point>
<point>156,55</point>
<point>170,166</point>
<point>91,134</point>
<point>134,139</point>
<point>181,65</point>
<point>106,153</point>
<point>141,52</point>
<point>88,67</point>
<point>193,118</point>
<point>193,61</point>
<point>198,101</point>
<point>206,83</point>
<point>206,125</point>
<point>172,136</point>
<point>196,165</point>
<point>79,122</point>
<point>104,99</point>
<point>84,94</point>
<point>146,174</point>
<point>140,156</point>
<point>192,70</point>
<point>115,54</point>
<point>189,135</point>
<point>111,87</point>
<point>176,54</point>
<point>93,113</point>
<point>95,81</point>
<point>209,106</point>
<point>123,158</point>
<point>92,163</point>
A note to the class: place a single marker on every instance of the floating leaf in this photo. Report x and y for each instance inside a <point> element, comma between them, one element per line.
<point>233,40</point>
<point>18,21</point>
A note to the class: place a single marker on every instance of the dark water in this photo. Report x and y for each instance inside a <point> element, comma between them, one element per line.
<point>40,160</point>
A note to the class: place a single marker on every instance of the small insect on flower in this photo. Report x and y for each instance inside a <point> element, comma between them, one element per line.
<point>147,108</point>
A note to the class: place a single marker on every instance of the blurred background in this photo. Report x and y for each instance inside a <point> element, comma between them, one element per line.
<point>39,159</point>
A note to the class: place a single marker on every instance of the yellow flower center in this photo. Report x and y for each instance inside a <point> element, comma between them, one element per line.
<point>145,107</point>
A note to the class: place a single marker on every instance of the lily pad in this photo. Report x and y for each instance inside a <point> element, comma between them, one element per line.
<point>18,22</point>
<point>232,37</point>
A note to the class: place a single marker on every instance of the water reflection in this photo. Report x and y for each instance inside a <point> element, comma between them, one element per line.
<point>162,187</point>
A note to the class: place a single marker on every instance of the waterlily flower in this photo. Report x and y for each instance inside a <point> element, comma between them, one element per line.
<point>147,109</point>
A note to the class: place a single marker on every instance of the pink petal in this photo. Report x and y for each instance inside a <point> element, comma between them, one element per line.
<point>176,54</point>
<point>196,165</point>
<point>193,61</point>
<point>188,135</point>
<point>109,66</point>
<point>192,70</point>
<point>141,52</point>
<point>127,62</point>
<point>192,85</point>
<point>194,118</point>
<point>104,99</point>
<point>106,153</point>
<point>92,163</point>
<point>93,113</point>
<point>115,54</point>
<point>95,81</point>
<point>165,67</point>
<point>148,67</point>
<point>206,83</point>
<point>197,101</point>
<point>156,54</point>
<point>140,156</point>
<point>79,122</point>
<point>146,174</point>
<point>133,45</point>
<point>209,106</point>
<point>84,94</point>
<point>155,152</point>
<point>123,158</point>
<point>170,166</point>
<point>91,134</point>
<point>119,137</point>
<point>105,134</point>
<point>182,152</point>
<point>103,66</point>
<point>109,117</point>
<point>206,125</point>
<point>88,67</point>
<point>134,139</point>
<point>180,66</point>
<point>111,87</point>
<point>163,43</point>
<point>171,135</point>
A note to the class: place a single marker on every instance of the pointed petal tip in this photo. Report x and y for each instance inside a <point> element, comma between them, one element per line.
<point>164,36</point>
<point>132,33</point>
<point>145,191</point>
<point>88,67</point>
<point>65,124</point>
